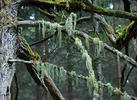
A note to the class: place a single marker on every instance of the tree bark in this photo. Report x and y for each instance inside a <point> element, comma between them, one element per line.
<point>9,47</point>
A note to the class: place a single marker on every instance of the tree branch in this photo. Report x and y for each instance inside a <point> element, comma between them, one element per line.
<point>82,34</point>
<point>24,52</point>
<point>109,30</point>
<point>109,48</point>
<point>76,5</point>
<point>40,41</point>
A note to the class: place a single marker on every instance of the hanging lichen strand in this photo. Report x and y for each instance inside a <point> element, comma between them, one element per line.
<point>99,45</point>
<point>51,29</point>
<point>51,70</point>
<point>92,82</point>
<point>61,74</point>
<point>71,24</point>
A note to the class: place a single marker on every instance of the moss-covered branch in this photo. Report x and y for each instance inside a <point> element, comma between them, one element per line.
<point>77,5</point>
<point>117,13</point>
<point>126,35</point>
<point>25,52</point>
<point>108,28</point>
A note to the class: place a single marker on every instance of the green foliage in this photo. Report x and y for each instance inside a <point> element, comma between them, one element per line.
<point>118,30</point>
<point>75,78</point>
<point>43,28</point>
<point>63,73</point>
<point>89,84</point>
<point>70,27</point>
<point>7,2</point>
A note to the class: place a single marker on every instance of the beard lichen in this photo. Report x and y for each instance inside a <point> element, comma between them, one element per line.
<point>91,81</point>
<point>51,28</point>
<point>99,45</point>
<point>71,23</point>
<point>126,96</point>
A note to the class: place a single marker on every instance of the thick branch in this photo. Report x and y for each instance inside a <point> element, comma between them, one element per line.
<point>77,5</point>
<point>24,52</point>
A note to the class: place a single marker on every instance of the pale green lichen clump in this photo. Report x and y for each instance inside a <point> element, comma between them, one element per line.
<point>91,81</point>
<point>70,28</point>
<point>126,96</point>
<point>51,28</point>
<point>99,45</point>
<point>71,24</point>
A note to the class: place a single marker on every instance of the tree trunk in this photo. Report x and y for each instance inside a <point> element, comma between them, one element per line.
<point>9,48</point>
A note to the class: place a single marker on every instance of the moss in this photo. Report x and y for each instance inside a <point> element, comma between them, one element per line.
<point>126,34</point>
<point>33,55</point>
<point>37,56</point>
<point>57,2</point>
<point>125,31</point>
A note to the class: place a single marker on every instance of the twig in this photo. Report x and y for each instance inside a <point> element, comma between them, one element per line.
<point>43,40</point>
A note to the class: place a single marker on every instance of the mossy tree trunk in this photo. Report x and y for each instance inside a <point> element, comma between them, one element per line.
<point>9,47</point>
